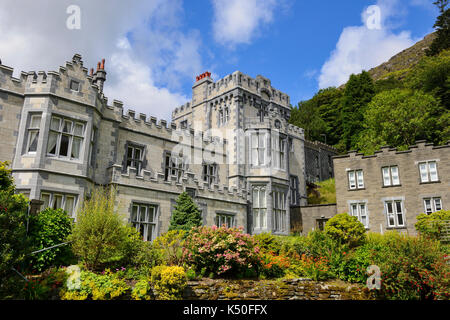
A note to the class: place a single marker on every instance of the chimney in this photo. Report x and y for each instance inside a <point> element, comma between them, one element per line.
<point>100,75</point>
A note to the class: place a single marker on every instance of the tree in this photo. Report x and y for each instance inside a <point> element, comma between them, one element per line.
<point>398,118</point>
<point>328,102</point>
<point>14,245</point>
<point>442,26</point>
<point>346,229</point>
<point>359,91</point>
<point>307,116</point>
<point>186,214</point>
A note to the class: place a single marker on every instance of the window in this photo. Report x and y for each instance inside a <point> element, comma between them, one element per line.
<point>224,115</point>
<point>394,213</point>
<point>293,181</point>
<point>428,171</point>
<point>174,167</point>
<point>210,173</point>
<point>432,205</point>
<point>320,224</point>
<point>291,144</point>
<point>184,124</point>
<point>259,207</point>
<point>134,158</point>
<point>225,219</point>
<point>57,200</point>
<point>143,218</point>
<point>258,148</point>
<point>355,179</point>
<point>65,138</point>
<point>359,210</point>
<point>390,176</point>
<point>33,132</point>
<point>279,211</point>
<point>74,85</point>
<point>279,152</point>
<point>92,147</point>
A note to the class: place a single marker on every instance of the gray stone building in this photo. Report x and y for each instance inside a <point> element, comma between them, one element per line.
<point>319,161</point>
<point>231,148</point>
<point>387,190</point>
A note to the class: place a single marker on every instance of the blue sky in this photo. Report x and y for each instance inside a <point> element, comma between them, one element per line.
<point>154,49</point>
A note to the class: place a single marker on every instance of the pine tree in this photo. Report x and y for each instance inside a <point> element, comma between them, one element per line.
<point>442,26</point>
<point>186,214</point>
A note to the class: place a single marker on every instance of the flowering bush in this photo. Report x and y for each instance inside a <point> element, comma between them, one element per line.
<point>104,286</point>
<point>169,282</point>
<point>169,245</point>
<point>316,268</point>
<point>221,251</point>
<point>274,266</point>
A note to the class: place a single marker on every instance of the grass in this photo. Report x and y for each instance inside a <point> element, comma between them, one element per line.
<point>325,194</point>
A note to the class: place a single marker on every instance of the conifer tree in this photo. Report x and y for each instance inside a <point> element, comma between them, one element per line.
<point>186,214</point>
<point>442,26</point>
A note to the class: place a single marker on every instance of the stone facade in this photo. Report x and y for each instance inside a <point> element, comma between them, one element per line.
<point>230,145</point>
<point>389,189</point>
<point>319,161</point>
<point>314,217</point>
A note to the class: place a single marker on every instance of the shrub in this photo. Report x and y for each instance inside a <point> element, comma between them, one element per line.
<point>14,244</point>
<point>50,227</point>
<point>273,266</point>
<point>186,214</point>
<point>432,225</point>
<point>169,282</point>
<point>45,287</point>
<point>411,267</point>
<point>354,264</point>
<point>100,237</point>
<point>221,251</point>
<point>142,290</point>
<point>346,229</point>
<point>268,242</point>
<point>170,246</point>
<point>105,286</point>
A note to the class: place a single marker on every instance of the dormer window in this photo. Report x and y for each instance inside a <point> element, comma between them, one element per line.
<point>74,85</point>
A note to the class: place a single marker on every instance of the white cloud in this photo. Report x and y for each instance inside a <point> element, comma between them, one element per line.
<point>360,48</point>
<point>34,36</point>
<point>237,21</point>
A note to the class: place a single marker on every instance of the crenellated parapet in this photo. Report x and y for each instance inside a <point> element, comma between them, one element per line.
<point>320,145</point>
<point>420,146</point>
<point>153,180</point>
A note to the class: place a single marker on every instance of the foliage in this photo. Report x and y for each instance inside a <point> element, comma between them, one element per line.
<point>273,265</point>
<point>169,282</point>
<point>398,118</point>
<point>142,290</point>
<point>326,193</point>
<point>268,242</point>
<point>358,93</point>
<point>353,267</point>
<point>306,116</point>
<point>346,229</point>
<point>412,267</point>
<point>105,286</point>
<point>221,251</point>
<point>14,244</point>
<point>170,246</point>
<point>432,225</point>
<point>49,228</point>
<point>185,215</point>
<point>442,26</point>
<point>46,286</point>
<point>100,237</point>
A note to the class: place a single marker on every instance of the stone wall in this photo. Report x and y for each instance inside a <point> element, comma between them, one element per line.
<point>288,289</point>
<point>312,217</point>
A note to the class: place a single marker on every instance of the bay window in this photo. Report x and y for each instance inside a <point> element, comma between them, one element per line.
<point>65,138</point>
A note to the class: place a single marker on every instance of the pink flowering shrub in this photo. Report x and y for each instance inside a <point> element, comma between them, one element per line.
<point>222,251</point>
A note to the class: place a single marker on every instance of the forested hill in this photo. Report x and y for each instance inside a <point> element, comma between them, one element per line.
<point>397,103</point>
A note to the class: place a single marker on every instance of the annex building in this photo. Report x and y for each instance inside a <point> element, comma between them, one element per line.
<point>231,148</point>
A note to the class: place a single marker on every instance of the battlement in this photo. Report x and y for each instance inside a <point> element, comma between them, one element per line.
<point>319,145</point>
<point>420,146</point>
<point>156,180</point>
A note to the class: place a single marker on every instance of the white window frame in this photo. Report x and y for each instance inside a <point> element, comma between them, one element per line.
<point>394,214</point>
<point>63,205</point>
<point>359,210</point>
<point>133,160</point>
<point>293,185</point>
<point>258,145</point>
<point>259,207</point>
<point>33,131</point>
<point>229,220</point>
<point>279,211</point>
<point>71,134</point>
<point>389,178</point>
<point>433,204</point>
<point>358,179</point>
<point>426,173</point>
<point>143,225</point>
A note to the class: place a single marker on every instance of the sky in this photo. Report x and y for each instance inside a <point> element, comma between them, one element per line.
<point>154,49</point>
